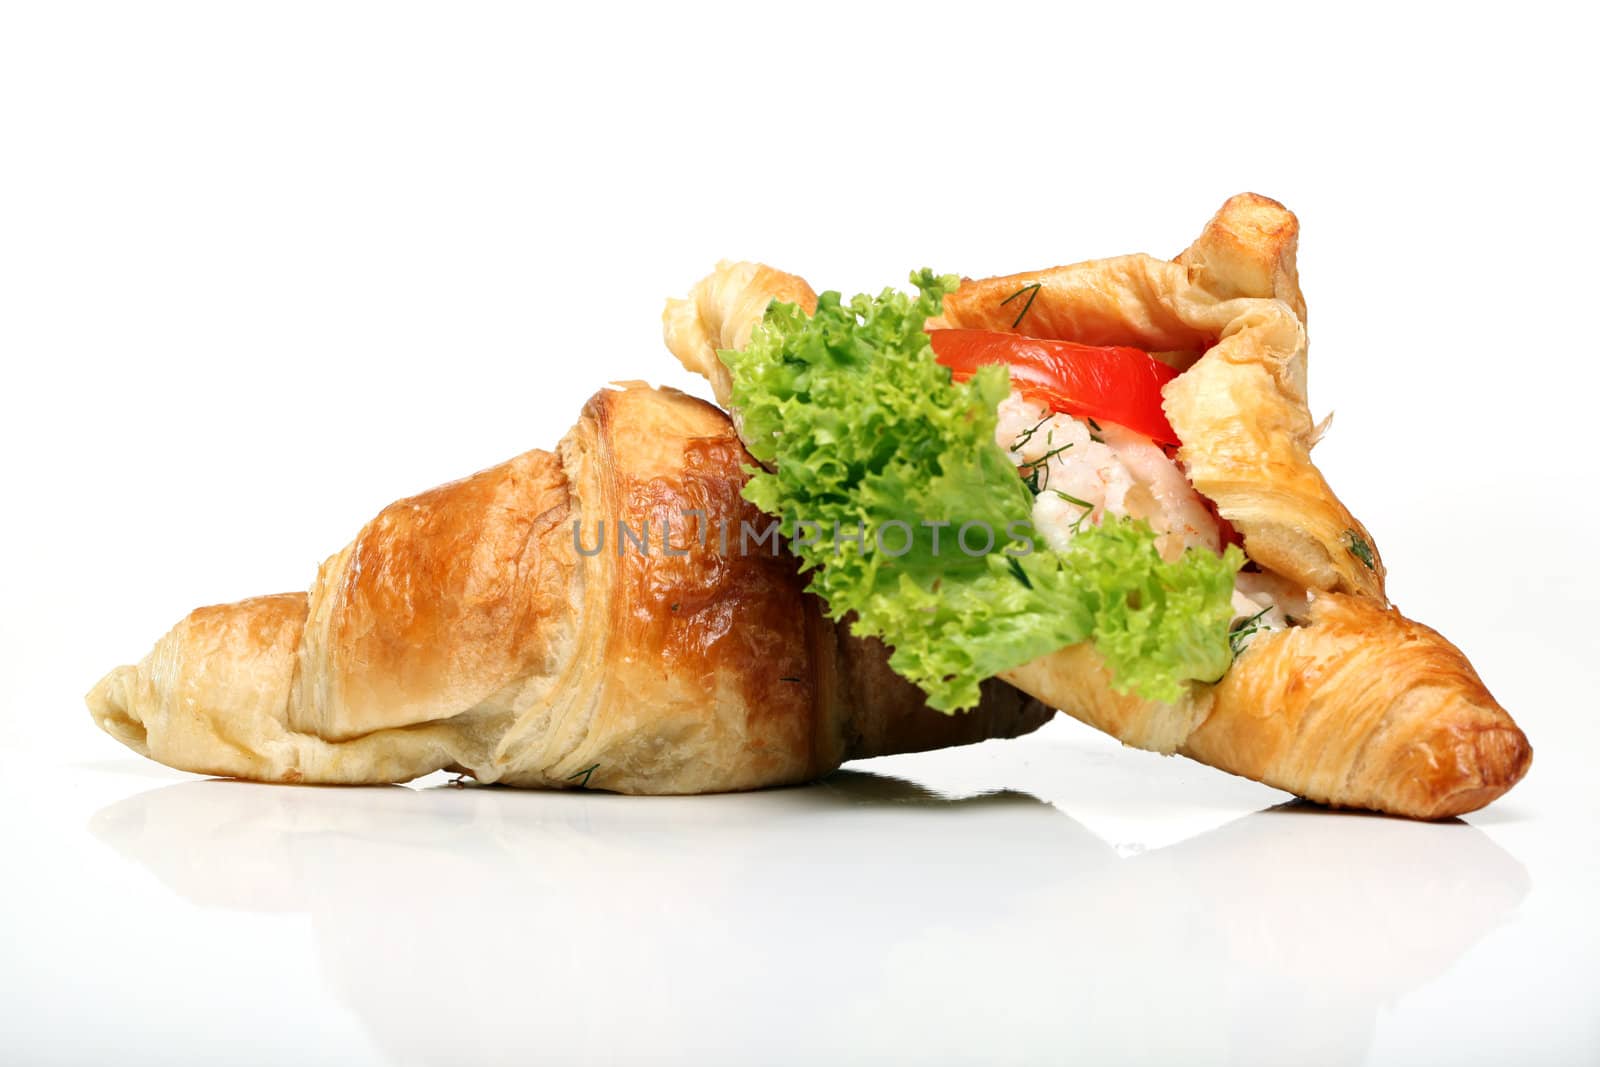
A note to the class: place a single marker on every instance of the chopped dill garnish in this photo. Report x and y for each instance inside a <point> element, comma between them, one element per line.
<point>1032,291</point>
<point>1245,629</point>
<point>1053,452</point>
<point>1016,569</point>
<point>1038,476</point>
<point>1088,508</point>
<point>1359,548</point>
<point>1026,435</point>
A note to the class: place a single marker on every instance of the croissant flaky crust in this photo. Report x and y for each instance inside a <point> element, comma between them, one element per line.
<point>473,629</point>
<point>1358,706</point>
<point>1232,304</point>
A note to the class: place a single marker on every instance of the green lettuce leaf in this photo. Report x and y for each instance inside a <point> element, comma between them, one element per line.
<point>889,485</point>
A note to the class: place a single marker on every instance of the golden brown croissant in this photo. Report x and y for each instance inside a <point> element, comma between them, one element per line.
<point>476,628</point>
<point>1354,705</point>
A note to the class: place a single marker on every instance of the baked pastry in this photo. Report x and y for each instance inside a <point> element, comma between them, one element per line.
<point>1331,693</point>
<point>483,627</point>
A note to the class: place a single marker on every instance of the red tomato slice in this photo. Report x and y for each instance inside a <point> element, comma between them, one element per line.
<point>1109,383</point>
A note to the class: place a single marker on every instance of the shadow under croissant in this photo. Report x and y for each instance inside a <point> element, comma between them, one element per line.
<point>461,924</point>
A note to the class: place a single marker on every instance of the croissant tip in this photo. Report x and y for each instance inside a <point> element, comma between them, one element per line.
<point>109,705</point>
<point>1489,763</point>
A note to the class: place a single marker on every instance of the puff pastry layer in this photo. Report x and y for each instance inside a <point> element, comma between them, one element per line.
<point>1359,706</point>
<point>465,629</point>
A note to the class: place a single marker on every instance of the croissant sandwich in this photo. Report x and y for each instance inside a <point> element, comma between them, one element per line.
<point>1095,483</point>
<point>576,619</point>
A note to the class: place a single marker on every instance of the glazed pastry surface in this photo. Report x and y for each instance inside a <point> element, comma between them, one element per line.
<point>1358,706</point>
<point>472,628</point>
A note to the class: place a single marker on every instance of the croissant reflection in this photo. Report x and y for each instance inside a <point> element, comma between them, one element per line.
<point>460,925</point>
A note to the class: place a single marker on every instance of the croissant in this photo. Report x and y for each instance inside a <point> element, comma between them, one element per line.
<point>1354,704</point>
<point>518,626</point>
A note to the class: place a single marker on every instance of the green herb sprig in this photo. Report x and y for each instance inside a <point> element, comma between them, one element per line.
<point>1032,291</point>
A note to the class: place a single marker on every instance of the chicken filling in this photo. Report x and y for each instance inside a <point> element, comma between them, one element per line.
<point>1081,470</point>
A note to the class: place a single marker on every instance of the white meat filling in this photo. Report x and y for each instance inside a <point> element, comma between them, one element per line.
<point>1263,603</point>
<point>1081,472</point>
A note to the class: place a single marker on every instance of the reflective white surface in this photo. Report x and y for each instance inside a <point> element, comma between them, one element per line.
<point>1054,899</point>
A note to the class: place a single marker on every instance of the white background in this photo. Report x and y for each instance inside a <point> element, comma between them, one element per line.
<point>265,268</point>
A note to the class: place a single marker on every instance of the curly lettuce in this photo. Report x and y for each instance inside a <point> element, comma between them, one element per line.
<point>888,484</point>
